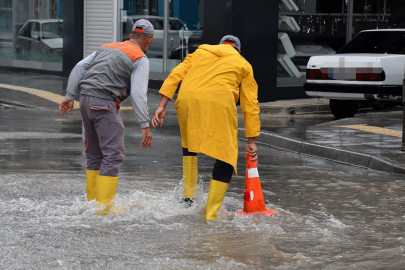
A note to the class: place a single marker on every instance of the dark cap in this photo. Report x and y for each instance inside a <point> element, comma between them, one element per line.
<point>231,40</point>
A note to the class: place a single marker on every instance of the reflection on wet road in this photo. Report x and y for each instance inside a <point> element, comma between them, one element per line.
<point>300,121</point>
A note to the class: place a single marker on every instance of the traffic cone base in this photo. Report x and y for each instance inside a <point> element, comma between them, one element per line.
<point>267,212</point>
<point>253,201</point>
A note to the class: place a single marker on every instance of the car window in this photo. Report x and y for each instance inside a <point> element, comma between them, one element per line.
<point>379,42</point>
<point>157,24</point>
<point>52,30</point>
<point>35,31</point>
<point>196,37</point>
<point>175,25</point>
<point>26,30</point>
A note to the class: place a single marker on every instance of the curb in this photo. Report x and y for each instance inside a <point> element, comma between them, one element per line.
<point>294,109</point>
<point>338,155</point>
<point>15,103</point>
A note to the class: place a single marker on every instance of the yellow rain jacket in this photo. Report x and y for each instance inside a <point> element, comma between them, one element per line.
<point>213,79</point>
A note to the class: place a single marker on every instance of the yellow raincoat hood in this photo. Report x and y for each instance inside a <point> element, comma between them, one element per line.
<point>213,79</point>
<point>219,50</point>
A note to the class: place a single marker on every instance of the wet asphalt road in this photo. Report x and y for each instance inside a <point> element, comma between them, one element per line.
<point>330,216</point>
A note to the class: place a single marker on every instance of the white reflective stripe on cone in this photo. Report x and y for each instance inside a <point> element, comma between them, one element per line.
<point>253,172</point>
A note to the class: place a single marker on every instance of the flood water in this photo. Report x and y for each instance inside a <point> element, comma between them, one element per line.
<point>327,219</point>
<point>329,216</point>
<point>327,223</point>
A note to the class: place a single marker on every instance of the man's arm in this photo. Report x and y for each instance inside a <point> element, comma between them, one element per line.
<point>76,75</point>
<point>171,83</point>
<point>169,88</point>
<point>139,99</point>
<point>250,110</point>
<point>139,91</point>
<point>160,112</point>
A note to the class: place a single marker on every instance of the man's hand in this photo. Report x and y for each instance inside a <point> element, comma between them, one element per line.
<point>251,149</point>
<point>158,117</point>
<point>147,137</point>
<point>66,106</point>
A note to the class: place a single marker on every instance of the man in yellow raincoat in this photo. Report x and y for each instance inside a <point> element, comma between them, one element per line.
<point>213,79</point>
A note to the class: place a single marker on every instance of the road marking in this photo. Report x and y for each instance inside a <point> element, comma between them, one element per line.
<point>377,130</point>
<point>46,95</point>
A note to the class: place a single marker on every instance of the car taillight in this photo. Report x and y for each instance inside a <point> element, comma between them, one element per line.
<point>370,75</point>
<point>316,74</point>
<point>347,74</point>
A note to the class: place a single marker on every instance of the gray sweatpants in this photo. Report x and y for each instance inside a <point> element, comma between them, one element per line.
<point>104,133</point>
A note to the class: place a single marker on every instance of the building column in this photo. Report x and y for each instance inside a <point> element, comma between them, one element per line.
<point>255,23</point>
<point>72,34</point>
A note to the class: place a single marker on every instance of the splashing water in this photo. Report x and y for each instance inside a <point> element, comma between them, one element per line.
<point>47,223</point>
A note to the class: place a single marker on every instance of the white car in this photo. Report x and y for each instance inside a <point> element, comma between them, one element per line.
<point>369,70</point>
<point>176,29</point>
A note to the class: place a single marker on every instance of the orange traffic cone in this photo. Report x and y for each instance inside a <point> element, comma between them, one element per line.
<point>253,196</point>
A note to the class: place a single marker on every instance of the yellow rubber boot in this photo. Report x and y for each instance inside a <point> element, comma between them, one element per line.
<point>190,175</point>
<point>91,176</point>
<point>105,192</point>
<point>216,196</point>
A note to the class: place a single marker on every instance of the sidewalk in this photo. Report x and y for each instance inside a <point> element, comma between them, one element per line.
<point>371,140</point>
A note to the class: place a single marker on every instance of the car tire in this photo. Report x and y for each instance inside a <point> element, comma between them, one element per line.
<point>342,108</point>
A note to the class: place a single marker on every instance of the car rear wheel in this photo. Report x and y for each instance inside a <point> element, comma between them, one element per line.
<point>342,108</point>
